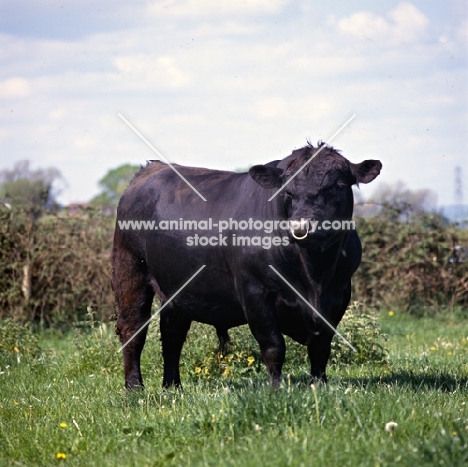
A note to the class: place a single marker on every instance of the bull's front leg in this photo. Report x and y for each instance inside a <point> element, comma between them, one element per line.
<point>319,348</point>
<point>263,324</point>
<point>319,353</point>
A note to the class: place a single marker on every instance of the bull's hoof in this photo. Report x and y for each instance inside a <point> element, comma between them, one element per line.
<point>134,386</point>
<point>171,385</point>
<point>275,383</point>
<point>318,381</point>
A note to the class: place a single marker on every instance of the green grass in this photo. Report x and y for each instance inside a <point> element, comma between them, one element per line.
<point>235,419</point>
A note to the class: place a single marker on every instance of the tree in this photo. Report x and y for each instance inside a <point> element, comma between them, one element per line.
<point>399,199</point>
<point>114,183</point>
<point>33,189</point>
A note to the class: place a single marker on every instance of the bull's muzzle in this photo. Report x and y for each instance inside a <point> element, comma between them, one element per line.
<point>299,229</point>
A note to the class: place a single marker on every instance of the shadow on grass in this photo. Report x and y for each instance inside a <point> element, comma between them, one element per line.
<point>417,381</point>
<point>440,381</point>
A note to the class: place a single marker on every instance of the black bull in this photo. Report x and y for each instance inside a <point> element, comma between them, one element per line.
<point>237,286</point>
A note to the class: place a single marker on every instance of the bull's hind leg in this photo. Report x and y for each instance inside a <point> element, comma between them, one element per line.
<point>174,328</point>
<point>134,297</point>
<point>224,340</point>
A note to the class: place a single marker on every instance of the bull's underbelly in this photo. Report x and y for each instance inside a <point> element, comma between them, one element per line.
<point>292,324</point>
<point>218,312</point>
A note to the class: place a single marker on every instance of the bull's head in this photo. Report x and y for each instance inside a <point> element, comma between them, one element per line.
<point>319,194</point>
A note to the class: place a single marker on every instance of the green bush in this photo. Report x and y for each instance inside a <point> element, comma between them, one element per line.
<point>17,342</point>
<point>205,360</point>
<point>406,264</point>
<point>55,267</point>
<point>363,331</point>
<point>242,357</point>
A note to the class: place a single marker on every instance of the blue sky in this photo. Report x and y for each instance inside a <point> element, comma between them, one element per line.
<point>228,84</point>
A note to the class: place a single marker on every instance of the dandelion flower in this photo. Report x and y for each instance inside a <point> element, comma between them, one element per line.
<point>433,348</point>
<point>250,360</point>
<point>63,425</point>
<point>391,313</point>
<point>61,455</point>
<point>390,427</point>
<point>197,369</point>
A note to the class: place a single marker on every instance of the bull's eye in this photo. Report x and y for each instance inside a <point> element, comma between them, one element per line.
<point>288,204</point>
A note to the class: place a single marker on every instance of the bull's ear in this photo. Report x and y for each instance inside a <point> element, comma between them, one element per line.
<point>266,177</point>
<point>366,171</point>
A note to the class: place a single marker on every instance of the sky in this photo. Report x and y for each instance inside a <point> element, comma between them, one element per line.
<point>228,84</point>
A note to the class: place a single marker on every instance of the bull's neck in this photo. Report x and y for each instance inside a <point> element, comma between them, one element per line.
<point>319,266</point>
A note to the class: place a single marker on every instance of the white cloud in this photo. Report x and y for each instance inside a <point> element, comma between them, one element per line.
<point>152,71</point>
<point>57,113</point>
<point>14,88</point>
<point>404,24</point>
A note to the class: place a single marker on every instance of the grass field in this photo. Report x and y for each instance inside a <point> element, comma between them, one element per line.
<point>68,406</point>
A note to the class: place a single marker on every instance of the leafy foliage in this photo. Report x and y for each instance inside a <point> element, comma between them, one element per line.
<point>242,355</point>
<point>33,190</point>
<point>407,264</point>
<point>54,268</point>
<point>363,331</point>
<point>114,183</point>
<point>16,342</point>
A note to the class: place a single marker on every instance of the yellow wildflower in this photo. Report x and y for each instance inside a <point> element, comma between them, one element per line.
<point>250,360</point>
<point>61,455</point>
<point>197,369</point>
<point>391,313</point>
<point>63,425</point>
